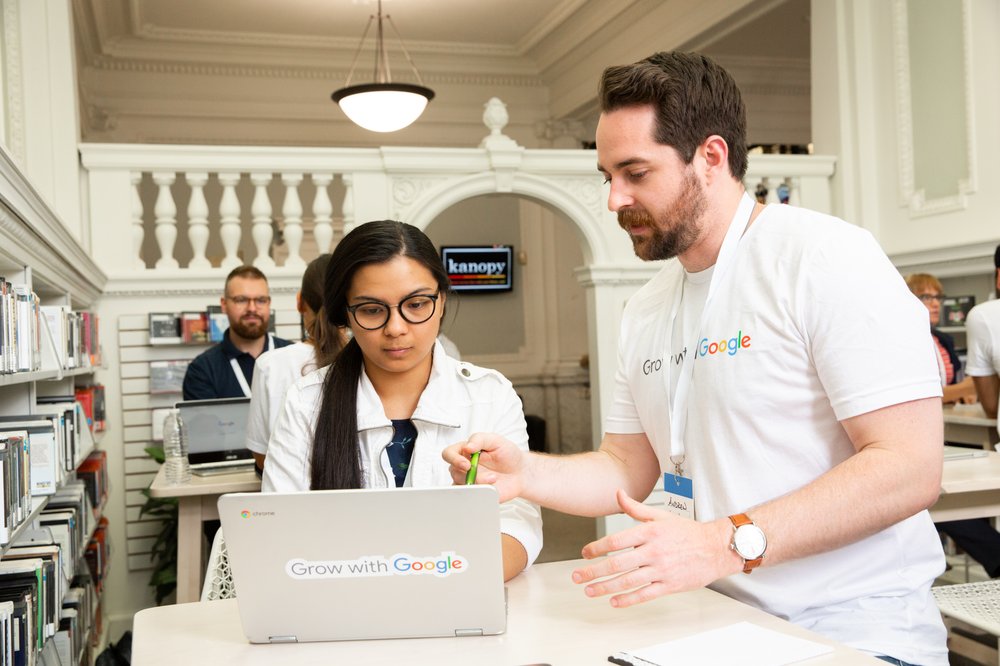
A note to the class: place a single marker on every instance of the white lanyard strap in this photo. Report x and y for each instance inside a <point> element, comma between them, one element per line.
<point>238,371</point>
<point>677,404</point>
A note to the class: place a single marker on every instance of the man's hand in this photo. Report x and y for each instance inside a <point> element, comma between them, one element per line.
<point>501,463</point>
<point>668,554</point>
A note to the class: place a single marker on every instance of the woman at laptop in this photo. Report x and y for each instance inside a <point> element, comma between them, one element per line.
<point>380,413</point>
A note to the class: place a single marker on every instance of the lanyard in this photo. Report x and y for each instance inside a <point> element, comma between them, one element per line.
<point>677,403</point>
<point>238,371</point>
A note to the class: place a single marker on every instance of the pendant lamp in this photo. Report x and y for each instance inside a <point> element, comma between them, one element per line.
<point>382,106</point>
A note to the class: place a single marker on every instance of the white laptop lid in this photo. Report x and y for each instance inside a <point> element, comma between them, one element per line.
<point>217,431</point>
<point>360,564</point>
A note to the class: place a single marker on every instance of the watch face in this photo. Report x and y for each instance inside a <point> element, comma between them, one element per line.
<point>749,542</point>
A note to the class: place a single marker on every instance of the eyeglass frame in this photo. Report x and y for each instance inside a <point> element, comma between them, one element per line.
<point>927,298</point>
<point>353,309</point>
<point>244,301</point>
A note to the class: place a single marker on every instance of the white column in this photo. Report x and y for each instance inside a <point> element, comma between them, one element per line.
<point>138,234</point>
<point>322,212</point>
<point>291,211</point>
<point>166,220</point>
<point>198,220</point>
<point>229,214</point>
<point>261,231</point>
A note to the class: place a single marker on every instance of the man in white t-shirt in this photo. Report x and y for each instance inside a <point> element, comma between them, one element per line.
<point>777,382</point>
<point>982,329</point>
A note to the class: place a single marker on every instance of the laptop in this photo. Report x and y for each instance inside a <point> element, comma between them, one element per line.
<point>333,565</point>
<point>217,431</point>
<point>962,452</point>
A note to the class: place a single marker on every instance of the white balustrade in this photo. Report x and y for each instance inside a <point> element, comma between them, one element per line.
<point>372,180</point>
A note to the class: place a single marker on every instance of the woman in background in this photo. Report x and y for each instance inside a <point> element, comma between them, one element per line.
<point>928,289</point>
<point>278,369</point>
<point>392,400</point>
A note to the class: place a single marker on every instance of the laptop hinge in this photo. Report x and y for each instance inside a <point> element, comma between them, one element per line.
<point>282,639</point>
<point>459,633</point>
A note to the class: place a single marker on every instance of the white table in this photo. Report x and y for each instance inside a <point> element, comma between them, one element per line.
<point>550,621</point>
<point>968,424</point>
<point>197,503</point>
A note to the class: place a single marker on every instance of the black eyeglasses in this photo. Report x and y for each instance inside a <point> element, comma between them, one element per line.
<point>242,301</point>
<point>373,315</point>
<point>927,298</point>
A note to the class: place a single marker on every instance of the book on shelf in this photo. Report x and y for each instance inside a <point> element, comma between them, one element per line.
<point>20,328</point>
<point>22,579</point>
<point>164,328</point>
<point>167,376</point>
<point>194,327</point>
<point>91,399</point>
<point>43,449</point>
<point>218,323</point>
<point>954,309</point>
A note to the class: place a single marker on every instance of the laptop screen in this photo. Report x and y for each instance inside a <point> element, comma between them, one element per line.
<point>216,429</point>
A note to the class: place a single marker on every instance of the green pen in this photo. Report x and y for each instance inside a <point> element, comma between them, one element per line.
<point>470,476</point>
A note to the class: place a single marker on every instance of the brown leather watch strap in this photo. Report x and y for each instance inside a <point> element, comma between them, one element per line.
<point>738,520</point>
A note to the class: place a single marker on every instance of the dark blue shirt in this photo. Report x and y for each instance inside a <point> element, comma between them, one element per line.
<point>400,450</point>
<point>210,374</point>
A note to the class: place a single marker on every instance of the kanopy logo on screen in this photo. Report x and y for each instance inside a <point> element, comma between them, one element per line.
<point>479,269</point>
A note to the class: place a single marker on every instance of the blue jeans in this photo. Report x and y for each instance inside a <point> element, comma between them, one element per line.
<point>893,660</point>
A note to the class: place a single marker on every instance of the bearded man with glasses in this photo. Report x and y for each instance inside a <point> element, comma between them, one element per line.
<point>226,370</point>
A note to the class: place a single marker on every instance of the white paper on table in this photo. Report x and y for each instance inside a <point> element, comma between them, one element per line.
<point>741,643</point>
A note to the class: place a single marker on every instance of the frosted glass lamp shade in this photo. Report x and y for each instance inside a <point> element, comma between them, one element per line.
<point>383,107</point>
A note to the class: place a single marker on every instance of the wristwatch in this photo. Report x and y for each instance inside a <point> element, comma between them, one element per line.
<point>748,541</point>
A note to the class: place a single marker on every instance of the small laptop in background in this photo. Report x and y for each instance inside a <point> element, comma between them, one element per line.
<point>217,431</point>
<point>362,564</point>
<point>962,452</point>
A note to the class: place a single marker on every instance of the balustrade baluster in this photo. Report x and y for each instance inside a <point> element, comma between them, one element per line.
<point>138,234</point>
<point>348,208</point>
<point>229,214</point>
<point>166,219</point>
<point>291,210</point>
<point>322,212</point>
<point>261,231</point>
<point>198,220</point>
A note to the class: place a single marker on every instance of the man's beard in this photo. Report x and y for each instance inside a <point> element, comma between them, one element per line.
<point>249,329</point>
<point>675,231</point>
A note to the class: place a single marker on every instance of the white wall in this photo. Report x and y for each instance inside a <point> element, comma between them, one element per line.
<point>861,90</point>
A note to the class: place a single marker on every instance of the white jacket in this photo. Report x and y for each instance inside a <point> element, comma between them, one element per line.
<point>460,399</point>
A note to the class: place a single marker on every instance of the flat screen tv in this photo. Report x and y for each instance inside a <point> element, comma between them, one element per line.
<point>484,268</point>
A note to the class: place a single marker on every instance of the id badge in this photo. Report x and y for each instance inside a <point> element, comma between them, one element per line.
<point>680,495</point>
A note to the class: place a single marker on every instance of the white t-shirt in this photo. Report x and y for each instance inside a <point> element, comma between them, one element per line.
<point>982,334</point>
<point>273,373</point>
<point>812,325</point>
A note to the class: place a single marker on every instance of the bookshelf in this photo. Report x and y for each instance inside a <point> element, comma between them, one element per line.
<point>53,271</point>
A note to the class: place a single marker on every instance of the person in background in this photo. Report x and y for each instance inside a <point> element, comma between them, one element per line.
<point>226,369</point>
<point>928,289</point>
<point>278,369</point>
<point>982,330</point>
<point>775,379</point>
<point>381,414</point>
<point>976,537</point>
